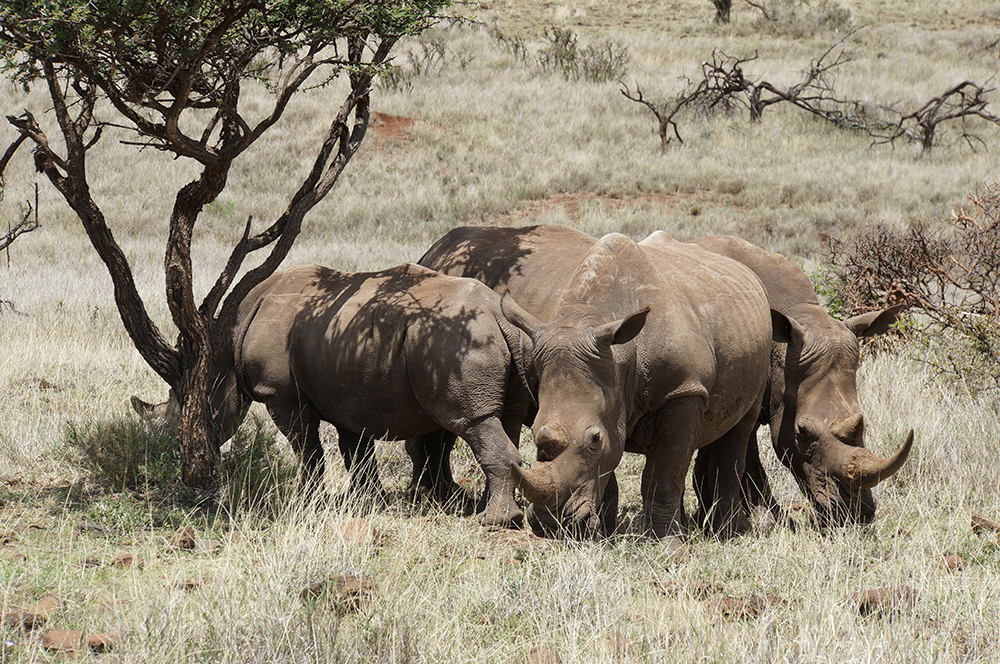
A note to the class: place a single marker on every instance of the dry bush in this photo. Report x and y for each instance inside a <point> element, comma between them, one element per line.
<point>951,275</point>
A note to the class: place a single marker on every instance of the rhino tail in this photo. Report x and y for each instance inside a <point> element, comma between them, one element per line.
<point>520,347</point>
<point>238,337</point>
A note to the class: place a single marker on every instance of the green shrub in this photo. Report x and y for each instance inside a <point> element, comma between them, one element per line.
<point>127,453</point>
<point>130,454</point>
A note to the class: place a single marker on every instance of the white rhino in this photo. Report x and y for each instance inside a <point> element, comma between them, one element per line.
<point>395,354</point>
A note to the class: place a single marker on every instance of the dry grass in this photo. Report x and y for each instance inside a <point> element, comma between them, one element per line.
<point>497,142</point>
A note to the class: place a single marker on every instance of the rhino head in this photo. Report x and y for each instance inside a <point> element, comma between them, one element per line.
<point>817,427</point>
<point>580,426</point>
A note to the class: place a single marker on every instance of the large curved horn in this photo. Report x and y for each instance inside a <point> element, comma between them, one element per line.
<point>538,483</point>
<point>863,470</point>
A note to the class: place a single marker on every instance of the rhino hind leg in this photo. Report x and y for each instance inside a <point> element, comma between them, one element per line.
<point>299,423</point>
<point>430,455</point>
<point>718,480</point>
<point>358,451</point>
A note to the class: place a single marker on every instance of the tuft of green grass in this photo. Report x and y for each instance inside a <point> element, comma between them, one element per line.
<point>126,453</point>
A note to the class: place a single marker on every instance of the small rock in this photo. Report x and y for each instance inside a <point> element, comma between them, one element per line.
<point>188,585</point>
<point>46,606</point>
<point>544,654</point>
<point>980,523</point>
<point>953,563</point>
<point>731,608</point>
<point>90,561</point>
<point>313,590</point>
<point>349,592</point>
<point>102,642</point>
<point>62,640</point>
<point>126,560</point>
<point>22,528</point>
<point>91,528</point>
<point>356,533</point>
<point>18,618</point>
<point>183,539</point>
<point>883,601</point>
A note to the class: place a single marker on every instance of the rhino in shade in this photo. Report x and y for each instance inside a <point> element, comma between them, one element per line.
<point>400,353</point>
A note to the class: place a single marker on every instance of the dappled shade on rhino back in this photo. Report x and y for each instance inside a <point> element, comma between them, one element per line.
<point>394,354</point>
<point>533,263</point>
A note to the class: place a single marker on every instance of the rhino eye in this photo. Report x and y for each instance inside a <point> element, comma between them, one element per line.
<point>805,430</point>
<point>593,437</point>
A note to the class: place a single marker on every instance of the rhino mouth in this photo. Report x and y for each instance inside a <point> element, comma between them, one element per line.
<point>842,507</point>
<point>580,523</point>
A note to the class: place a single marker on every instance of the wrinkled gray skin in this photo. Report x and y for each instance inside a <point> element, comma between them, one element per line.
<point>659,349</point>
<point>816,387</point>
<point>395,354</point>
<point>817,428</point>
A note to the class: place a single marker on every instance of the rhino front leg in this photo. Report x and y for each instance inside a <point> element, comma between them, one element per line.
<point>495,453</point>
<point>608,511</point>
<point>668,458</point>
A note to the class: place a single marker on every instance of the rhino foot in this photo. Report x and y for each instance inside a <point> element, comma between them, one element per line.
<point>502,515</point>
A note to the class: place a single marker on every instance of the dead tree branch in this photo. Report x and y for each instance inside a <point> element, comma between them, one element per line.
<point>964,101</point>
<point>723,87</point>
<point>27,223</point>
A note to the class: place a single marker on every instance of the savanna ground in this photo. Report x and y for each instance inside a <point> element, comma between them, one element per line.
<point>483,136</point>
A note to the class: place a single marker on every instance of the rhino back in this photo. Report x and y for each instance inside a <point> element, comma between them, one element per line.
<point>396,352</point>
<point>788,288</point>
<point>534,262</point>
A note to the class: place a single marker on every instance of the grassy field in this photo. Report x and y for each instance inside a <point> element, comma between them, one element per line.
<point>481,135</point>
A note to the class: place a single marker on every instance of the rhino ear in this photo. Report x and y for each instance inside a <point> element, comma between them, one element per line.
<point>785,330</point>
<point>875,322</point>
<point>142,408</point>
<point>520,318</point>
<point>622,331</point>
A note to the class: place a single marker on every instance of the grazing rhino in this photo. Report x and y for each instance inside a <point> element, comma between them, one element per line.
<point>535,262</point>
<point>395,354</point>
<point>658,350</point>
<point>817,428</point>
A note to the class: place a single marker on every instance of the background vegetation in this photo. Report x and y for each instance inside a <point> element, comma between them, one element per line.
<point>482,126</point>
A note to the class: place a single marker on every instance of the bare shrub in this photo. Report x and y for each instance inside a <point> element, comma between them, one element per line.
<point>428,58</point>
<point>949,275</point>
<point>596,63</point>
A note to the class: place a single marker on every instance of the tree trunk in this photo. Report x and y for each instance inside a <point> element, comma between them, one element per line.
<point>722,9</point>
<point>198,447</point>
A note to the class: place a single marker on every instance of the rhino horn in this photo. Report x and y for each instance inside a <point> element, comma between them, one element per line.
<point>864,470</point>
<point>538,483</point>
